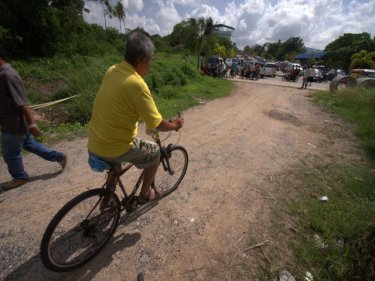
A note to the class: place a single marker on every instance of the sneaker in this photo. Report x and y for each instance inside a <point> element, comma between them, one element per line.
<point>63,162</point>
<point>13,184</point>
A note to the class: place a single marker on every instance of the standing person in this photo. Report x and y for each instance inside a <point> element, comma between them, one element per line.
<point>311,75</point>
<point>124,98</point>
<point>221,70</point>
<point>18,126</point>
<point>234,69</point>
<point>305,77</point>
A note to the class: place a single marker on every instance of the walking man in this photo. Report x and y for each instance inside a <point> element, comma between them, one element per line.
<point>18,127</point>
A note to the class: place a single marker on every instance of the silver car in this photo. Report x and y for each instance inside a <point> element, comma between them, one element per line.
<point>269,69</point>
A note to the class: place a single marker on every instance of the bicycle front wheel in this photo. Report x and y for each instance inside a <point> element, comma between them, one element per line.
<point>80,230</point>
<point>172,169</point>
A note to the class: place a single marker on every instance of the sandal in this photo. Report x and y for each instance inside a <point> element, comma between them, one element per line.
<point>158,195</point>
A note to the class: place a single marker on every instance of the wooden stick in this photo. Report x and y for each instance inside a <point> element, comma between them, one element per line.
<point>256,245</point>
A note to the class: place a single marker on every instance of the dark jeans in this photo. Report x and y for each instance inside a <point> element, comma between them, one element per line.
<point>11,147</point>
<point>304,83</point>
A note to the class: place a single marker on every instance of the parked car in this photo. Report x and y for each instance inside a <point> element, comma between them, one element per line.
<point>332,73</point>
<point>318,77</point>
<point>359,72</point>
<point>269,69</point>
<point>212,65</point>
<point>228,61</point>
<point>292,65</point>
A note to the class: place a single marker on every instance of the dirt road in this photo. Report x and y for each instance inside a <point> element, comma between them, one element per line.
<point>238,148</point>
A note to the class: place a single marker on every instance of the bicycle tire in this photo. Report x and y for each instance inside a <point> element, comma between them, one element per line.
<point>90,229</point>
<point>178,160</point>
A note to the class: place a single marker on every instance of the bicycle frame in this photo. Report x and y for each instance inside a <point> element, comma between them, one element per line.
<point>114,177</point>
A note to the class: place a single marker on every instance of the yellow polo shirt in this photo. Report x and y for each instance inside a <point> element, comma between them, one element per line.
<point>122,100</point>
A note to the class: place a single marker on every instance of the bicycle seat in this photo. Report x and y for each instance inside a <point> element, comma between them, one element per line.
<point>97,164</point>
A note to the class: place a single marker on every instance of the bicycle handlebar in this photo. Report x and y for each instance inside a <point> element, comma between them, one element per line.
<point>155,134</point>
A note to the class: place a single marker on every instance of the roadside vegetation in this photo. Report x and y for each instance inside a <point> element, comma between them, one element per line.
<point>174,81</point>
<point>336,238</point>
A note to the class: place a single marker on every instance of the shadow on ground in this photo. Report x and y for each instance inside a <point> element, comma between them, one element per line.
<point>33,269</point>
<point>39,177</point>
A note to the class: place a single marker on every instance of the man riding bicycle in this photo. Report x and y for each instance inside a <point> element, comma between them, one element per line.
<point>124,98</point>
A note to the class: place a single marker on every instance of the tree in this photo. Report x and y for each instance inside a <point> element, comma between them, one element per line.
<point>107,10</point>
<point>220,50</point>
<point>37,27</point>
<point>274,49</point>
<point>258,50</point>
<point>340,50</point>
<point>196,35</point>
<point>363,59</point>
<point>284,50</point>
<point>176,37</point>
<point>119,13</point>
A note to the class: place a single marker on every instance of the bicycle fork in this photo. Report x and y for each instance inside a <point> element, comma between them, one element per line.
<point>165,163</point>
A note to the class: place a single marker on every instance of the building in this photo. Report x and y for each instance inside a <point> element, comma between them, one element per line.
<point>223,31</point>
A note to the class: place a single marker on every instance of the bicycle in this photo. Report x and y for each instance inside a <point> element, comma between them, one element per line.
<point>85,224</point>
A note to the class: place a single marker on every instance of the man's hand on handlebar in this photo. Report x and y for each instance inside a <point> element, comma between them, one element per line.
<point>178,122</point>
<point>170,125</point>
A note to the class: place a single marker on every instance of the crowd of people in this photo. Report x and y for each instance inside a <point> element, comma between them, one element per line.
<point>251,70</point>
<point>226,70</point>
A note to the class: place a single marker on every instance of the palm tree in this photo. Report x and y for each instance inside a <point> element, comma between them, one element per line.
<point>363,59</point>
<point>119,12</point>
<point>204,29</point>
<point>107,10</point>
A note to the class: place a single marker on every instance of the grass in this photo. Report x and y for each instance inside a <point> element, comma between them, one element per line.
<point>174,81</point>
<point>336,238</point>
<point>357,106</point>
<point>340,223</point>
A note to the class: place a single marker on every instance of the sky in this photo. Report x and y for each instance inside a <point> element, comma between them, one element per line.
<point>317,22</point>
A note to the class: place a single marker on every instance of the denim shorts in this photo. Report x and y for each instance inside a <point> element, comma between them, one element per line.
<point>143,154</point>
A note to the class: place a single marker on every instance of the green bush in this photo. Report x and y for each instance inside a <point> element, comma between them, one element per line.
<point>189,71</point>
<point>174,82</point>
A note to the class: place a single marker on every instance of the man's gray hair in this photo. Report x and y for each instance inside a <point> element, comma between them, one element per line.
<point>138,46</point>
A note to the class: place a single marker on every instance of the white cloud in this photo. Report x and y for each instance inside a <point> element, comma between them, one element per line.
<point>317,22</point>
<point>133,6</point>
<point>167,17</point>
<point>148,24</point>
<point>204,11</point>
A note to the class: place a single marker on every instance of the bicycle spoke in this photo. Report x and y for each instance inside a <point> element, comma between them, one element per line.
<point>80,231</point>
<point>172,169</point>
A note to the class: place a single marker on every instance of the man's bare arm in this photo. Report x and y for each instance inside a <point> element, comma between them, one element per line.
<point>33,128</point>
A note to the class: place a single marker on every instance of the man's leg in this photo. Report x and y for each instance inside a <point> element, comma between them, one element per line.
<point>31,145</point>
<point>11,147</point>
<point>144,155</point>
<point>148,177</point>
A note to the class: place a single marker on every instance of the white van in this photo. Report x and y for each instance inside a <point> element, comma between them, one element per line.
<point>269,69</point>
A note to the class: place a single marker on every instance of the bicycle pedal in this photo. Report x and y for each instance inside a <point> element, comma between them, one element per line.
<point>131,205</point>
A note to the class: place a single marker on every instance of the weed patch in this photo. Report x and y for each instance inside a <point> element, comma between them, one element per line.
<point>358,107</point>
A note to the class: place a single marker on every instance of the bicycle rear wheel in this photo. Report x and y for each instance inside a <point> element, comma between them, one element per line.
<point>168,177</point>
<point>80,230</point>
